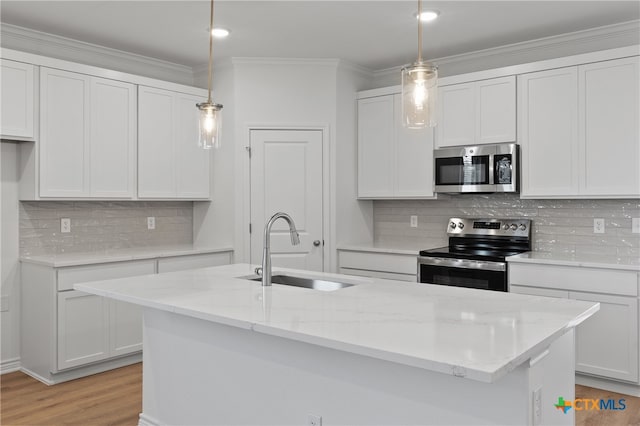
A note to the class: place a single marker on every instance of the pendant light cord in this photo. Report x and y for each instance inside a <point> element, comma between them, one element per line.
<point>210,52</point>
<point>419,30</point>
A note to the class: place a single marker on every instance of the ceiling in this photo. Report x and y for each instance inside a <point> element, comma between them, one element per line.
<point>375,34</point>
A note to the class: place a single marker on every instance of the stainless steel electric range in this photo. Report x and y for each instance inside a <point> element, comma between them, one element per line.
<point>475,256</point>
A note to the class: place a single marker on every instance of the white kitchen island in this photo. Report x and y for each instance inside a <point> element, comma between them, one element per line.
<point>224,350</point>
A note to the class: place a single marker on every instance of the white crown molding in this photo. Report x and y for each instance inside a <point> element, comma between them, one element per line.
<point>40,43</point>
<point>623,34</point>
<point>331,62</point>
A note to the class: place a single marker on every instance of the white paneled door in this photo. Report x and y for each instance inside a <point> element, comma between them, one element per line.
<point>286,175</point>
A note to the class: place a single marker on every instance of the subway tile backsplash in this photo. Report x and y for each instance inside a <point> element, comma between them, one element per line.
<point>102,225</point>
<point>559,226</point>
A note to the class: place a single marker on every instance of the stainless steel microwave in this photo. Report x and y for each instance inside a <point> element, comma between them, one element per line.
<point>480,168</point>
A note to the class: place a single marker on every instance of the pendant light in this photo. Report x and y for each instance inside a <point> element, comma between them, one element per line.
<point>210,112</point>
<point>419,87</point>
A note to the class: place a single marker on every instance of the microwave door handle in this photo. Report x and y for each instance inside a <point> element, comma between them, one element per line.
<point>492,164</point>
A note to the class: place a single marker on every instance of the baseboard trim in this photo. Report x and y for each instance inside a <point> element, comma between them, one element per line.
<point>610,385</point>
<point>37,376</point>
<point>145,420</point>
<point>10,365</point>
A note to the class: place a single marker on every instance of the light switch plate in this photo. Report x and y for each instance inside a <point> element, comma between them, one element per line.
<point>635,225</point>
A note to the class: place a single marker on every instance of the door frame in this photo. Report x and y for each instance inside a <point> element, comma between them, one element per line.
<point>245,218</point>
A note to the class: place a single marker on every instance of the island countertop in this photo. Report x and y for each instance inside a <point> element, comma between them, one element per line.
<point>477,334</point>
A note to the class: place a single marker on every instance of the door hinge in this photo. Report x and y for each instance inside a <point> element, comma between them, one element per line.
<point>248,148</point>
<point>249,228</point>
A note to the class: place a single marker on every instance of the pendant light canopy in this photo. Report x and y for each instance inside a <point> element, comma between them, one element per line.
<point>419,88</point>
<point>210,112</point>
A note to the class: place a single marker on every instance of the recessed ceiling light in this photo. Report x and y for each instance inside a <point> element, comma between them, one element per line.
<point>219,32</point>
<point>428,15</point>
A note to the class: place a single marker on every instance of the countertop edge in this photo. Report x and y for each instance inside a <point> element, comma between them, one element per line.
<point>100,258</point>
<point>524,258</point>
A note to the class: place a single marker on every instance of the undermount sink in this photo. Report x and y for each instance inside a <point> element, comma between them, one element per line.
<point>312,283</point>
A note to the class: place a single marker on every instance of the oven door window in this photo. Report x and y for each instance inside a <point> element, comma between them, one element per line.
<point>462,277</point>
<point>472,170</point>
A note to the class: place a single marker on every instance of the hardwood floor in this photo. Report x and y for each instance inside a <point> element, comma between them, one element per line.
<point>115,398</point>
<point>110,398</point>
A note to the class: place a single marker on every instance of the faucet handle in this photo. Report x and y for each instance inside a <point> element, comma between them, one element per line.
<point>258,270</point>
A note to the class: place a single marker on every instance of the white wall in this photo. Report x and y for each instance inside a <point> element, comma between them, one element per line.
<point>213,221</point>
<point>354,218</point>
<point>10,267</point>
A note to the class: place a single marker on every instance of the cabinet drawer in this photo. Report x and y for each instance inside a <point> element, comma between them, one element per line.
<point>376,274</point>
<point>593,280</point>
<point>67,277</point>
<point>396,263</point>
<point>181,263</point>
<point>533,291</point>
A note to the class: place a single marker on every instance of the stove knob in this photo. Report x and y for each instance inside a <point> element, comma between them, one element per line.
<point>505,226</point>
<point>452,225</point>
<point>460,225</point>
<point>514,226</point>
<point>522,226</point>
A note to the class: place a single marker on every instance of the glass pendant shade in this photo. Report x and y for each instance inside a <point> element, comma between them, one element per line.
<point>210,121</point>
<point>419,92</point>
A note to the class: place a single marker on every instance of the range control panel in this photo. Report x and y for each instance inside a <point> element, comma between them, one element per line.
<point>496,227</point>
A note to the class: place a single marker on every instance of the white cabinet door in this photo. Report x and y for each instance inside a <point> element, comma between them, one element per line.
<point>607,343</point>
<point>156,156</point>
<point>83,329</point>
<point>125,328</point>
<point>18,105</point>
<point>113,139</point>
<point>548,116</point>
<point>609,133</point>
<point>413,158</point>
<point>496,110</point>
<point>376,129</point>
<point>456,115</point>
<point>192,169</point>
<point>170,163</point>
<point>64,133</point>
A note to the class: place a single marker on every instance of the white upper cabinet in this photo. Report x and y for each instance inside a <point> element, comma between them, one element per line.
<point>479,112</point>
<point>18,101</point>
<point>579,131</point>
<point>609,133</point>
<point>548,109</point>
<point>393,161</point>
<point>87,136</point>
<point>170,162</point>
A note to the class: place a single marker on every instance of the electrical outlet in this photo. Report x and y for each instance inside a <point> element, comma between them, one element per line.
<point>413,222</point>
<point>598,226</point>
<point>537,406</point>
<point>314,420</point>
<point>635,225</point>
<point>65,225</point>
<point>151,222</point>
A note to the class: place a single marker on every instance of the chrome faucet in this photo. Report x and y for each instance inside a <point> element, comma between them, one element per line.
<point>266,252</point>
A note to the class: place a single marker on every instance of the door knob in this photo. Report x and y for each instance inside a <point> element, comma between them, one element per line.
<point>316,243</point>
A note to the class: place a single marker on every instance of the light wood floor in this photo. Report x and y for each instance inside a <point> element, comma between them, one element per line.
<point>115,398</point>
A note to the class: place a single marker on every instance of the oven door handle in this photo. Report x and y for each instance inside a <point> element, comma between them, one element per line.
<point>462,263</point>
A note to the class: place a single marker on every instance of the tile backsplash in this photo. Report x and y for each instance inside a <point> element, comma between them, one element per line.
<point>559,226</point>
<point>102,225</point>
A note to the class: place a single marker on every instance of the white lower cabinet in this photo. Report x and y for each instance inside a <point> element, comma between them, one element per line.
<point>83,329</point>
<point>392,266</point>
<point>607,343</point>
<point>68,334</point>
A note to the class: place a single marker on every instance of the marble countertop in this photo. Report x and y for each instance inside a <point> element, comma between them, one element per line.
<point>477,334</point>
<point>119,255</point>
<point>590,261</point>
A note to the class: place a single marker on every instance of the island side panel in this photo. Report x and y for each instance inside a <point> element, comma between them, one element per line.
<point>199,372</point>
